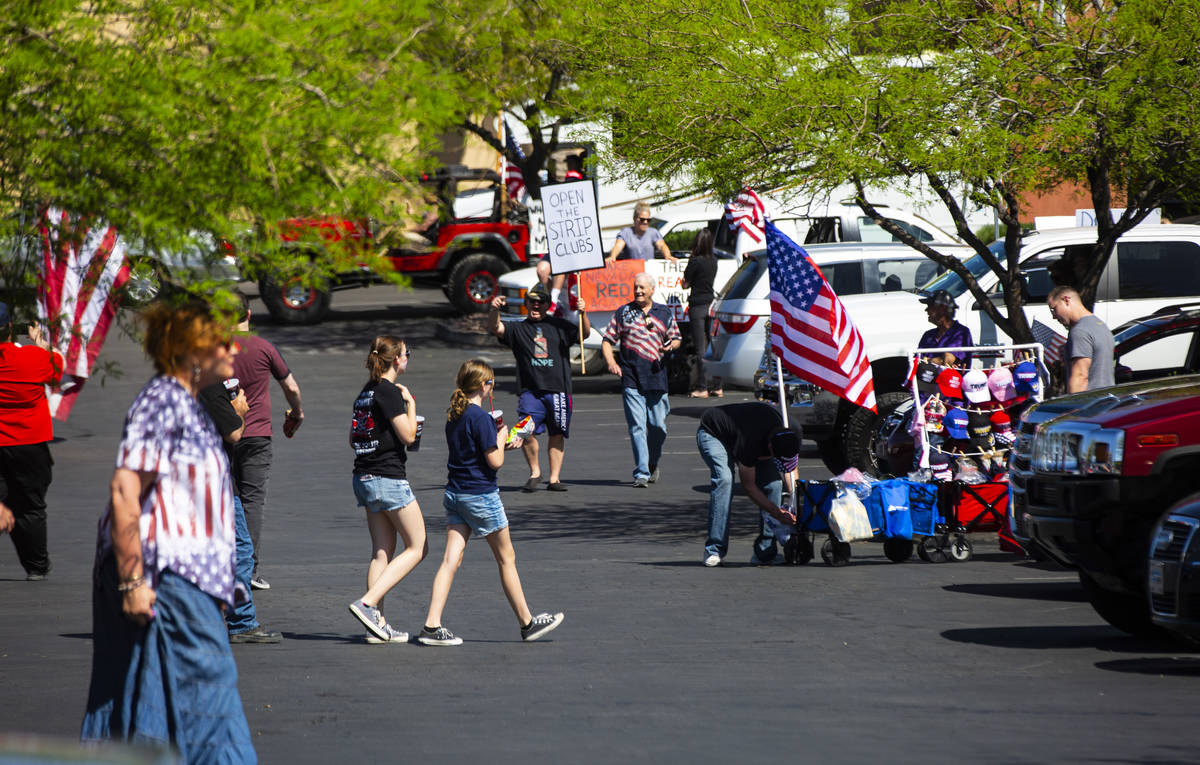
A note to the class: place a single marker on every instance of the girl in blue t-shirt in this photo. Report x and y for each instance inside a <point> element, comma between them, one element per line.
<point>476,447</point>
<point>384,424</point>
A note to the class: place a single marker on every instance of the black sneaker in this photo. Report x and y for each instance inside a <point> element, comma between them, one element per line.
<point>438,636</point>
<point>541,625</point>
<point>256,635</point>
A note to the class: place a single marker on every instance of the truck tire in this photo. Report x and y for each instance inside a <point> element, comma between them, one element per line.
<point>833,455</point>
<point>866,430</point>
<point>474,280</point>
<point>1126,611</point>
<point>292,302</point>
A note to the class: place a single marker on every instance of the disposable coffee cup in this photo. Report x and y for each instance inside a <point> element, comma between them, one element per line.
<point>231,387</point>
<point>498,416</point>
<point>416,444</point>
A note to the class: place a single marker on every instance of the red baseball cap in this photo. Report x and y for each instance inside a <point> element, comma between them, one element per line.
<point>950,383</point>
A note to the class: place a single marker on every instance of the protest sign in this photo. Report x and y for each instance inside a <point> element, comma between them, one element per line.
<point>611,287</point>
<point>537,229</point>
<point>572,227</point>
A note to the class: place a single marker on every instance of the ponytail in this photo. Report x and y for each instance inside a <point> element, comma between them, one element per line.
<point>470,379</point>
<point>385,349</point>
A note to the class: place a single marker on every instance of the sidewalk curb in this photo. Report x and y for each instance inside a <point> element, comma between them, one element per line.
<point>472,339</point>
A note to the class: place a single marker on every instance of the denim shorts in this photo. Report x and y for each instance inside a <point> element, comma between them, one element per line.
<point>377,493</point>
<point>484,513</point>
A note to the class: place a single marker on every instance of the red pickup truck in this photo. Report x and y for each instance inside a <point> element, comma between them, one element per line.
<point>466,254</point>
<point>1098,480</point>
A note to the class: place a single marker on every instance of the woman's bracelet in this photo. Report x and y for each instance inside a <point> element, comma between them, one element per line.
<point>129,585</point>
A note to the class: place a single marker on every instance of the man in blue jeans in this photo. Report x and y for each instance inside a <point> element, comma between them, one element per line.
<point>242,619</point>
<point>751,437</point>
<point>646,333</point>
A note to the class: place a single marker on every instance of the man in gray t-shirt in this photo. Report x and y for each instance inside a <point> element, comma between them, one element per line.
<point>1088,361</point>
<point>639,241</point>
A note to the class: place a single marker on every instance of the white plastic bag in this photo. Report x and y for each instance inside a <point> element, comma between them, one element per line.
<point>848,518</point>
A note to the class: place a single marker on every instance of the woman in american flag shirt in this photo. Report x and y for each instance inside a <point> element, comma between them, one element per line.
<point>162,668</point>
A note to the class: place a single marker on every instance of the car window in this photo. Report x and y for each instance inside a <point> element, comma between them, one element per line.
<point>951,282</point>
<point>845,278</point>
<point>683,235</point>
<point>870,231</point>
<point>750,274</point>
<point>905,273</point>
<point>1171,353</point>
<point>1157,270</point>
<point>823,231</point>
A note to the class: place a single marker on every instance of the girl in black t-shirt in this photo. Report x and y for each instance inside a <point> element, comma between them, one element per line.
<point>385,422</point>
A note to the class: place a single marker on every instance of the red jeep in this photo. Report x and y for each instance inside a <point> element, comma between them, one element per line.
<point>465,254</point>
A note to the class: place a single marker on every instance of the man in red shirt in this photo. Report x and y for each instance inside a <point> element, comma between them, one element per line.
<point>25,433</point>
<point>257,363</point>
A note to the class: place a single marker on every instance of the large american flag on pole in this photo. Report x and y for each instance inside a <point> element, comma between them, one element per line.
<point>514,179</point>
<point>810,331</point>
<point>82,270</point>
<point>747,213</point>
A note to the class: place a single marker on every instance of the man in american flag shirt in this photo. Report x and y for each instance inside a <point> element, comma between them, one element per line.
<point>646,332</point>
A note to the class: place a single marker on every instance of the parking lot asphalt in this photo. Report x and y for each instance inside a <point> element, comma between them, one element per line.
<point>660,659</point>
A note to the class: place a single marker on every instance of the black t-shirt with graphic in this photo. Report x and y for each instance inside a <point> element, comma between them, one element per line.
<point>542,350</point>
<point>377,450</point>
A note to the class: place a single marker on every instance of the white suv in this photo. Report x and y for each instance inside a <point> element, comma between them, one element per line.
<point>852,268</point>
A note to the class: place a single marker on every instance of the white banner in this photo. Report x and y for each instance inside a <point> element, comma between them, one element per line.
<point>538,245</point>
<point>572,227</point>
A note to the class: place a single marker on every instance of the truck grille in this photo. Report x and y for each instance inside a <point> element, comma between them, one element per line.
<point>1170,547</point>
<point>1041,493</point>
<point>1180,535</point>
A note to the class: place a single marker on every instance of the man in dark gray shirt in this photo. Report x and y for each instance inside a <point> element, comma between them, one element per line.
<point>1088,361</point>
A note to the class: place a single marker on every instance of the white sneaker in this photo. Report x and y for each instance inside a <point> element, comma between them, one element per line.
<point>712,560</point>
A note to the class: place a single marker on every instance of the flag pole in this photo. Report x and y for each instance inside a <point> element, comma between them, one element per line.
<point>582,360</point>
<point>782,391</point>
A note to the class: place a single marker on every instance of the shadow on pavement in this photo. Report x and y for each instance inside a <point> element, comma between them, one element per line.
<point>1099,636</point>
<point>1066,592</point>
<point>1179,666</point>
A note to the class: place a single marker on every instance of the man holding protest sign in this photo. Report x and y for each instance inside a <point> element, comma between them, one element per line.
<point>646,332</point>
<point>541,346</point>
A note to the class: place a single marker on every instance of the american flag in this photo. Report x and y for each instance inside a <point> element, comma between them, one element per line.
<point>747,213</point>
<point>514,180</point>
<point>810,331</point>
<point>82,270</point>
<point>1050,340</point>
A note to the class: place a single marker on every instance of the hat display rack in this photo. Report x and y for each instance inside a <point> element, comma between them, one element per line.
<point>970,406</point>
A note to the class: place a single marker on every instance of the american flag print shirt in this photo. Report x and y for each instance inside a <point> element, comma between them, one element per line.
<point>642,336</point>
<point>187,514</point>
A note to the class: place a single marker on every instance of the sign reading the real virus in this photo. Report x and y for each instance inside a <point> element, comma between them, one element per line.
<point>572,227</point>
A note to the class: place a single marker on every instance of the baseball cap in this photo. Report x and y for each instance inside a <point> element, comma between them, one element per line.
<point>1025,378</point>
<point>785,444</point>
<point>975,386</point>
<point>5,316</point>
<point>939,463</point>
<point>538,292</point>
<point>1002,427</point>
<point>949,382</point>
<point>956,422</point>
<point>927,375</point>
<point>979,423</point>
<point>939,297</point>
<point>1000,383</point>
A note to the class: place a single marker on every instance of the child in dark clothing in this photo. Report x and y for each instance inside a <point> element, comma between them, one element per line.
<point>476,447</point>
